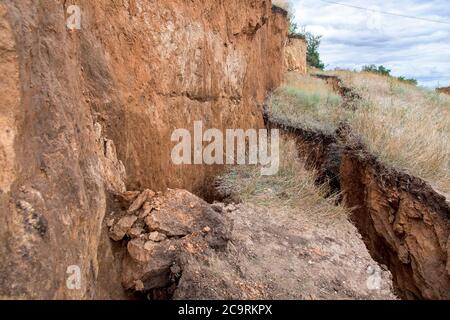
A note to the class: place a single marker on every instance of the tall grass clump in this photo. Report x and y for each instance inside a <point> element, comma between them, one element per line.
<point>308,103</point>
<point>293,187</point>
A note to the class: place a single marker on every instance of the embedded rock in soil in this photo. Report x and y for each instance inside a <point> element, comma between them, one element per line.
<point>180,213</point>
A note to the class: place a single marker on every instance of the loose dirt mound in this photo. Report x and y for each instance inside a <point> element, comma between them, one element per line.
<point>282,254</point>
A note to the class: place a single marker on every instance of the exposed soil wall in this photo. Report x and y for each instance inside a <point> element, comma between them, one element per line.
<point>444,90</point>
<point>405,224</point>
<point>295,54</point>
<point>80,107</point>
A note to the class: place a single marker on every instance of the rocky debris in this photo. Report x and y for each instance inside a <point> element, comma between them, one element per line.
<point>156,236</point>
<point>121,228</point>
<point>183,251</point>
<point>140,200</point>
<point>135,232</point>
<point>177,214</point>
<point>165,231</point>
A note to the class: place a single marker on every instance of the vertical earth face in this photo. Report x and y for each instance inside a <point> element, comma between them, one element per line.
<point>82,107</point>
<point>295,54</point>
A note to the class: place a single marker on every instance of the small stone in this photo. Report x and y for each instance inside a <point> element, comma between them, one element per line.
<point>151,223</point>
<point>110,222</point>
<point>149,245</point>
<point>135,232</point>
<point>138,251</point>
<point>207,229</point>
<point>139,285</point>
<point>157,237</point>
<point>140,200</point>
<point>147,207</point>
<point>146,210</point>
<point>143,215</point>
<point>118,231</point>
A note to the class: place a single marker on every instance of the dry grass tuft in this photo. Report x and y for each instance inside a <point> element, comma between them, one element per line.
<point>293,187</point>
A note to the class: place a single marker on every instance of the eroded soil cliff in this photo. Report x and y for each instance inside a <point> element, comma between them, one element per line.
<point>82,107</point>
<point>406,224</point>
<point>295,55</point>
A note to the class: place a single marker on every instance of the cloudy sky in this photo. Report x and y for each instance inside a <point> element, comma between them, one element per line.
<point>410,47</point>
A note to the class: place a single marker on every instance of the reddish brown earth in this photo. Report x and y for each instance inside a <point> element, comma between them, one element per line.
<point>444,90</point>
<point>295,55</point>
<point>80,107</point>
<point>405,224</point>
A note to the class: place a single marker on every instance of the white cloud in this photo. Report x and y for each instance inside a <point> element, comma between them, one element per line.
<point>353,38</point>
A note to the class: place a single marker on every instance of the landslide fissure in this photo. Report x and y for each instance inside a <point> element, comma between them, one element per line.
<point>404,222</point>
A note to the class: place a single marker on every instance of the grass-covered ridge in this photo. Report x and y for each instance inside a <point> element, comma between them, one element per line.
<point>306,102</point>
<point>406,126</point>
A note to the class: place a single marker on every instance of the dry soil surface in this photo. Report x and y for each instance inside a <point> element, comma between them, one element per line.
<point>283,254</point>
